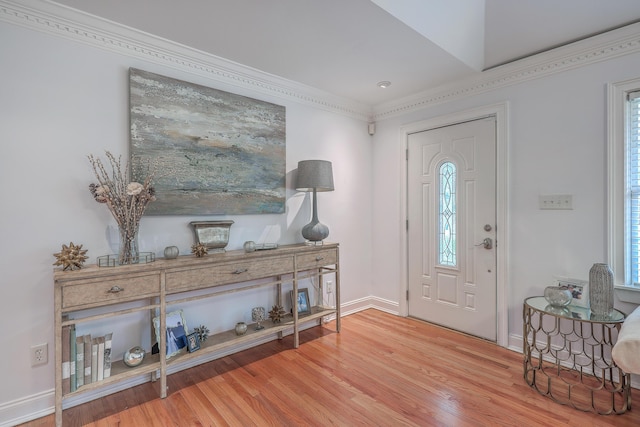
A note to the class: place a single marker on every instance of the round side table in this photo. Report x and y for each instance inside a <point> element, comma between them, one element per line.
<point>567,357</point>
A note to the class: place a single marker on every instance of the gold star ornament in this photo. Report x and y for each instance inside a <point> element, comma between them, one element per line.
<point>71,257</point>
<point>199,250</point>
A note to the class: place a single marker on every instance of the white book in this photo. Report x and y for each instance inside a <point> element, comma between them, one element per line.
<point>94,360</point>
<point>100,364</point>
<point>80,361</point>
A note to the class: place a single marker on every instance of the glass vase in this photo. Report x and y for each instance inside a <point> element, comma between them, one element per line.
<point>600,289</point>
<point>129,252</point>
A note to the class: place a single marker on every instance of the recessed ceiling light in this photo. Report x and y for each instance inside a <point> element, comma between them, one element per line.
<point>385,84</point>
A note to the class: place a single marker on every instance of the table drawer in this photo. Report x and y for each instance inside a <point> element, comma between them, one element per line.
<point>101,292</point>
<point>222,274</point>
<point>317,259</point>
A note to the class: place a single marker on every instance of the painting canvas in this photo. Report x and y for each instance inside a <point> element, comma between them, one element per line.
<point>219,153</point>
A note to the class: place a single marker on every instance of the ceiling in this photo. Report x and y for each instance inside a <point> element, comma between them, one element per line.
<point>345,47</point>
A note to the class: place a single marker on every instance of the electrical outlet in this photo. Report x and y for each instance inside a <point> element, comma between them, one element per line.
<point>329,286</point>
<point>39,354</point>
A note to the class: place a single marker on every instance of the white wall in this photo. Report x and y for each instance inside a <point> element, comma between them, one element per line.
<point>61,100</point>
<point>557,145</point>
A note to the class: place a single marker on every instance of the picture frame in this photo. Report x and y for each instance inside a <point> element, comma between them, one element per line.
<point>304,304</point>
<point>193,342</point>
<point>579,290</point>
<point>176,332</point>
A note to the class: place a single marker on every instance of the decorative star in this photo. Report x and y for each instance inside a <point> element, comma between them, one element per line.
<point>277,313</point>
<point>71,257</point>
<point>199,249</point>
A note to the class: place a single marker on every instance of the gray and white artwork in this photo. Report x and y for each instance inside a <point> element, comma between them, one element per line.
<point>219,153</point>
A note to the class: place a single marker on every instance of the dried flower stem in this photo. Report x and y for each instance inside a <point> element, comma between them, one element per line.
<point>126,200</point>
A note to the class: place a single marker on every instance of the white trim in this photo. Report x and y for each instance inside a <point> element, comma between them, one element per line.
<point>365,303</point>
<point>26,409</point>
<point>501,112</point>
<point>616,135</point>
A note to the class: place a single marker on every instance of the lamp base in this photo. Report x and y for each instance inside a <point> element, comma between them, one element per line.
<point>315,231</point>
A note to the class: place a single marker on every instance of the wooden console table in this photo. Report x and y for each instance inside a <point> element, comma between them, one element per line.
<point>113,289</point>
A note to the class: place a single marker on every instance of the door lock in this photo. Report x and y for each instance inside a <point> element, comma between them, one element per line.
<point>487,243</point>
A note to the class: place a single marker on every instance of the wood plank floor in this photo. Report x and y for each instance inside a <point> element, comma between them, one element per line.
<point>381,370</point>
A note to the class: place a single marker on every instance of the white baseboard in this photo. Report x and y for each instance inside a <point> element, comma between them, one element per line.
<point>26,409</point>
<point>361,304</point>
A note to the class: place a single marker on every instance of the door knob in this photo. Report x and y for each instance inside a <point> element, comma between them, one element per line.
<point>487,243</point>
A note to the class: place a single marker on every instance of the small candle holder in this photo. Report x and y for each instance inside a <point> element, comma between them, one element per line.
<point>258,315</point>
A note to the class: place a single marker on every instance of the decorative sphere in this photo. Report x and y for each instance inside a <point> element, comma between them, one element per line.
<point>249,246</point>
<point>171,252</point>
<point>134,356</point>
<point>241,328</point>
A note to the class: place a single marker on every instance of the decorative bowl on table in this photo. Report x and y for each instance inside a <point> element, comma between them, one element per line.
<point>213,234</point>
<point>558,296</point>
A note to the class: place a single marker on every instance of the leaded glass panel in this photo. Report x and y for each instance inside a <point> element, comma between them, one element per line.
<point>447,216</point>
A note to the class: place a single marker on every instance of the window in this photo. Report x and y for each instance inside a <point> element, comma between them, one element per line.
<point>447,215</point>
<point>632,165</point>
<point>624,188</point>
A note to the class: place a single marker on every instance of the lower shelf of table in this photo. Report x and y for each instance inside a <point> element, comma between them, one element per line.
<point>229,338</point>
<point>120,371</point>
<point>216,342</point>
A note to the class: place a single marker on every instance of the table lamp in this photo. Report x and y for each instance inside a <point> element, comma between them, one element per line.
<point>315,175</point>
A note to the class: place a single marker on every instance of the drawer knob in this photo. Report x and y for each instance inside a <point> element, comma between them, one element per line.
<point>319,258</point>
<point>240,270</point>
<point>115,289</point>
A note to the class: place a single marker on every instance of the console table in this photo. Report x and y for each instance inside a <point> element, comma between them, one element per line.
<point>567,357</point>
<point>162,283</point>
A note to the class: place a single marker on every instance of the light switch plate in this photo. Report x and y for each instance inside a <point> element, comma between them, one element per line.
<point>556,201</point>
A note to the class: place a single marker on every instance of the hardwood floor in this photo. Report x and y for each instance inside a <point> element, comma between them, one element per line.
<point>381,370</point>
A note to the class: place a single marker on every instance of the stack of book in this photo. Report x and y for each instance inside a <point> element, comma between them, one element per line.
<point>84,359</point>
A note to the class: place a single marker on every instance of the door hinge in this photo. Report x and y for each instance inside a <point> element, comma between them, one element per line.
<point>406,154</point>
<point>407,294</point>
<point>407,224</point>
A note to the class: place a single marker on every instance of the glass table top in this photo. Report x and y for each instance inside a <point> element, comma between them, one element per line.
<point>573,312</point>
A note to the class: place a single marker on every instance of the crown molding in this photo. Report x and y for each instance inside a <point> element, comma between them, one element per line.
<point>62,21</point>
<point>603,47</point>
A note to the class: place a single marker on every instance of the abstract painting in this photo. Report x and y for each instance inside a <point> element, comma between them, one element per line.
<point>218,153</point>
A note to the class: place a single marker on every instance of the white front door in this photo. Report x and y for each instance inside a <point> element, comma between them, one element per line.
<point>452,221</point>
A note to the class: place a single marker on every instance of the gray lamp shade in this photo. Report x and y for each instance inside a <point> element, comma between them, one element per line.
<point>314,174</point>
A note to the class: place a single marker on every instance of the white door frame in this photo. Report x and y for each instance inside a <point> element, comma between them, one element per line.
<point>500,111</point>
